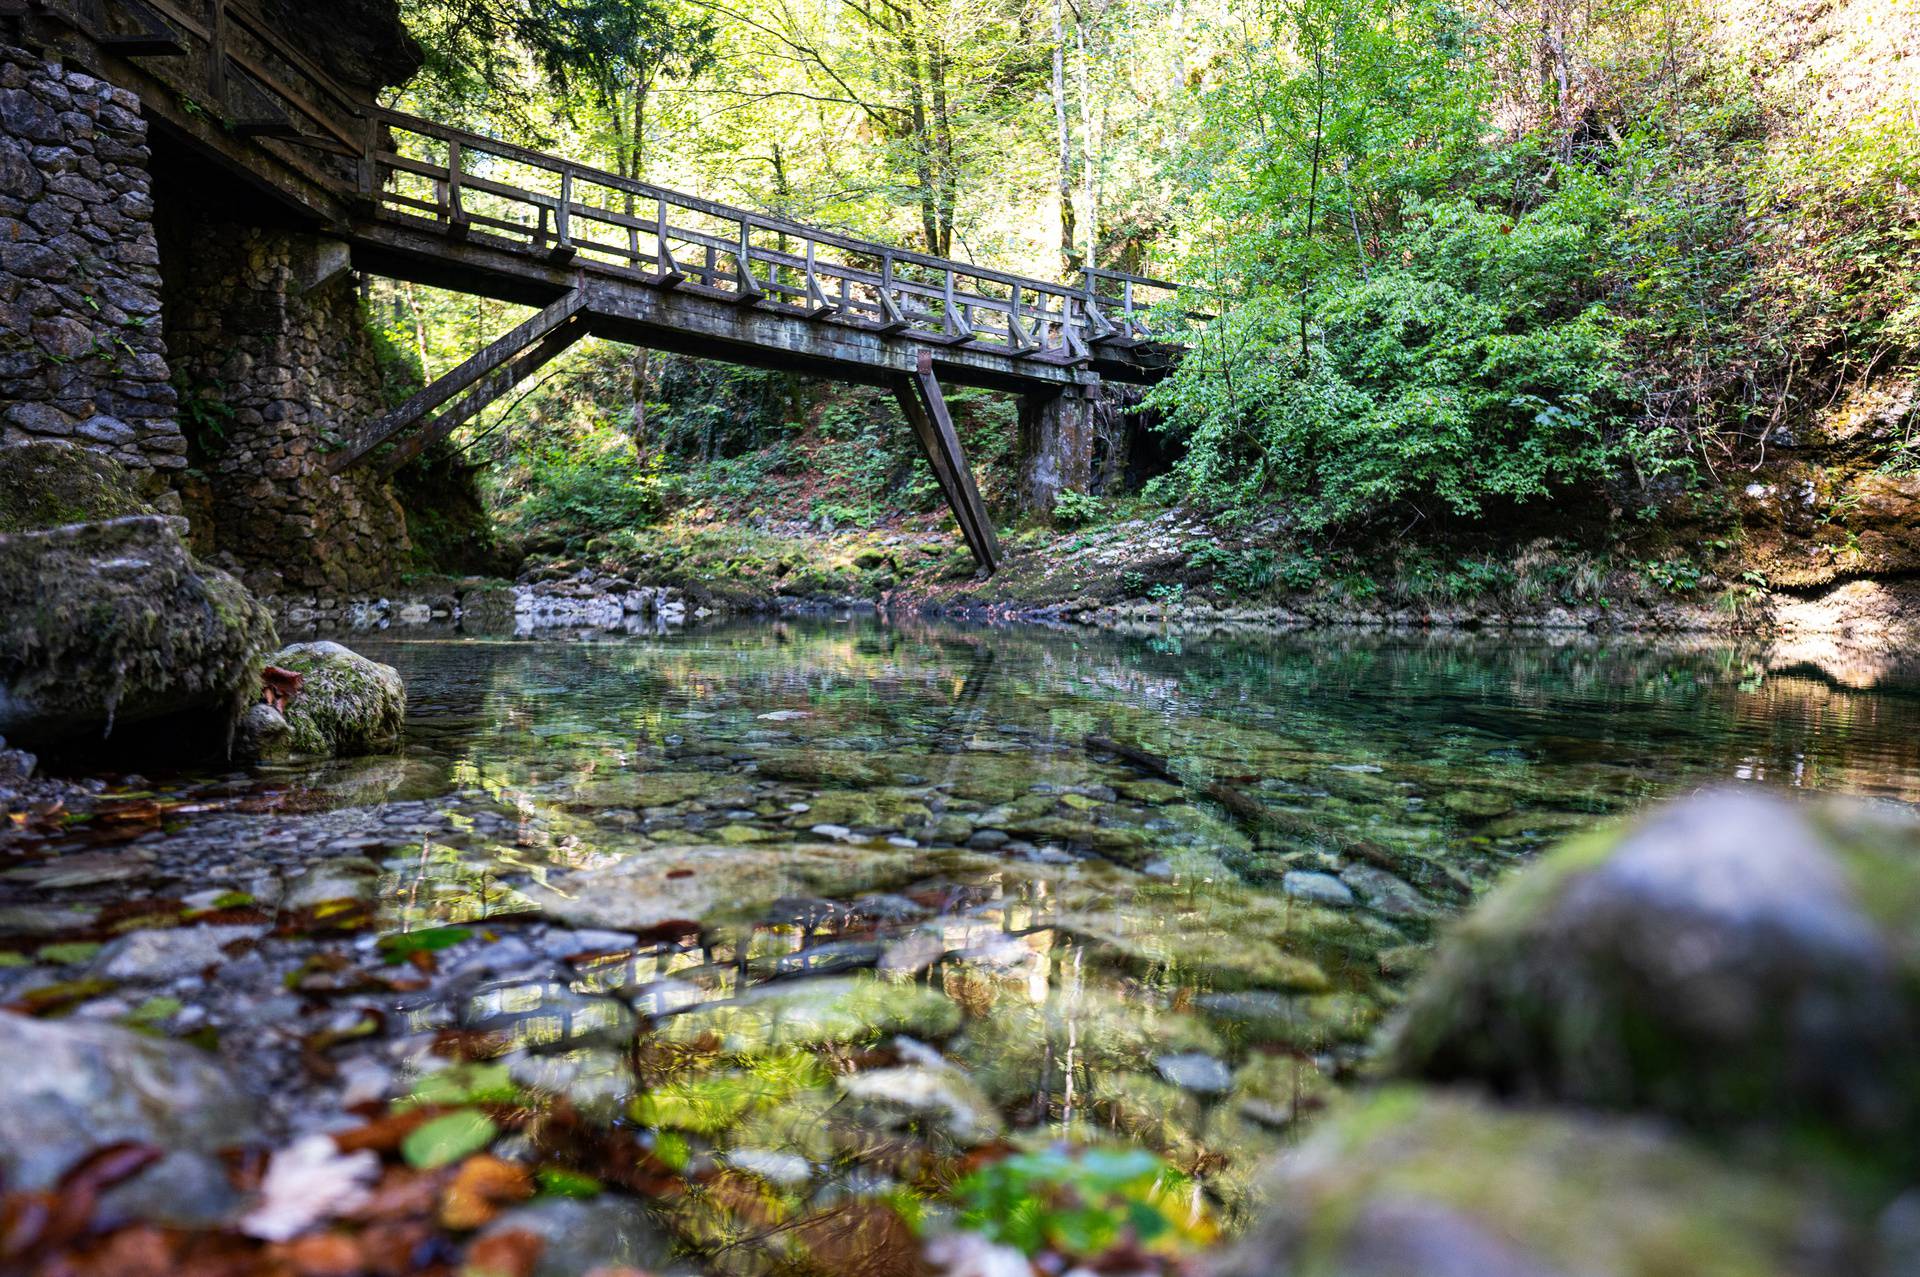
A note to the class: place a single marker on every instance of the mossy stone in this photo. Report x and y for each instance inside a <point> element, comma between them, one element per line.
<point>1419,1182</point>
<point>110,621</point>
<point>1736,961</point>
<point>347,703</point>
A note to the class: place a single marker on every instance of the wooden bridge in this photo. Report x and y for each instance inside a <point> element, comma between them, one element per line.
<point>596,252</point>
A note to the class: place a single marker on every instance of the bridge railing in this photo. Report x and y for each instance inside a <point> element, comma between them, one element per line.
<point>478,188</point>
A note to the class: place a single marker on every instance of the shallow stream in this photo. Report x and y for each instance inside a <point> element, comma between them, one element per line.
<point>822,909</point>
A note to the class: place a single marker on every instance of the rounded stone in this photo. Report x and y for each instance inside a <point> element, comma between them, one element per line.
<point>346,703</point>
<point>1735,961</point>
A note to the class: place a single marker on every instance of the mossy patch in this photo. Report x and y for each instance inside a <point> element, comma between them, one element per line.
<point>48,485</point>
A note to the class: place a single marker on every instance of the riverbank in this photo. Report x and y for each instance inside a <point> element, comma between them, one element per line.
<point>1172,572</point>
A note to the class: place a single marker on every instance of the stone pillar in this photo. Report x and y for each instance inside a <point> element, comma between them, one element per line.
<point>1075,439</point>
<point>1056,447</point>
<point>276,363</point>
<point>81,354</point>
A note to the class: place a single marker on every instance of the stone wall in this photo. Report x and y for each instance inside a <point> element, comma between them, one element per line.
<point>276,363</point>
<point>81,353</point>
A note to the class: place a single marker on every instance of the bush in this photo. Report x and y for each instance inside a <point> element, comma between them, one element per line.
<point>598,484</point>
<point>1075,509</point>
<point>1472,367</point>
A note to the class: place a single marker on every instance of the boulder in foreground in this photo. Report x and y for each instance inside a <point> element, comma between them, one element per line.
<point>72,1087</point>
<point>109,621</point>
<point>1737,962</point>
<point>1430,1184</point>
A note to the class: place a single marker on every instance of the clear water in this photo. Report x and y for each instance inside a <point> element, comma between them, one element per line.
<point>925,867</point>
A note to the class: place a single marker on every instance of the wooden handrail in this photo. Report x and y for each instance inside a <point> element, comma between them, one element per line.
<point>1035,318</point>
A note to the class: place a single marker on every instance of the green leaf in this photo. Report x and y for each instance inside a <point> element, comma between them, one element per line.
<point>399,947</point>
<point>448,1139</point>
<point>465,1084</point>
<point>74,951</point>
<point>558,1182</point>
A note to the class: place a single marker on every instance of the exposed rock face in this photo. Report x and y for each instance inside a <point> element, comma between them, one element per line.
<point>1736,962</point>
<point>81,356</point>
<point>72,1087</point>
<point>347,705</point>
<point>1431,1185</point>
<point>1074,440</point>
<point>110,621</point>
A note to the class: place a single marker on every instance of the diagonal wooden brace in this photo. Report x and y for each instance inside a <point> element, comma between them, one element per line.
<point>509,347</point>
<point>489,390</point>
<point>926,409</point>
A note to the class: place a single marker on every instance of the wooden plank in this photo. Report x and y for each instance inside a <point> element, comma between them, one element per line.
<point>489,390</point>
<point>456,381</point>
<point>942,444</point>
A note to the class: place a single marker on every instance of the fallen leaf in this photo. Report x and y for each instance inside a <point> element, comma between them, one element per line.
<point>383,1134</point>
<point>448,1139</point>
<point>402,1193</point>
<point>306,1182</point>
<point>512,1252</point>
<point>321,1255</point>
<point>481,1187</point>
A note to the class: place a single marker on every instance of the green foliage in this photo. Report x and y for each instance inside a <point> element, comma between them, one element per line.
<point>1674,575</point>
<point>1243,571</point>
<point>1075,509</point>
<point>1473,372</point>
<point>1081,1204</point>
<point>597,484</point>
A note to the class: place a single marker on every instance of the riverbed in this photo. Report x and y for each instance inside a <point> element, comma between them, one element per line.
<point>816,911</point>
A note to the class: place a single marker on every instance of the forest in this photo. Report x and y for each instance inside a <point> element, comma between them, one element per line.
<point>1463,271</point>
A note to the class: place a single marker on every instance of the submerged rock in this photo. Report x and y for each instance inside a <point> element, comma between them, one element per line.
<point>72,1087</point>
<point>347,704</point>
<point>578,1237</point>
<point>694,884</point>
<point>1445,1186</point>
<point>940,1102</point>
<point>110,621</point>
<point>1735,961</point>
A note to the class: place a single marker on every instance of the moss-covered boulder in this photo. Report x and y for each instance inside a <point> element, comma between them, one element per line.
<point>1410,1182</point>
<point>109,621</point>
<point>1736,961</point>
<point>346,704</point>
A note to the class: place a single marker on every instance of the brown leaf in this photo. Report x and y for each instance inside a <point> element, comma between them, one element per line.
<point>860,1239</point>
<point>512,1252</point>
<point>482,1185</point>
<point>402,1193</point>
<point>383,1134</point>
<point>320,1255</point>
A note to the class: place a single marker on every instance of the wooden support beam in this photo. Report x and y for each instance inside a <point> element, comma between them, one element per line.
<point>926,409</point>
<point>489,390</point>
<point>430,397</point>
<point>563,249</point>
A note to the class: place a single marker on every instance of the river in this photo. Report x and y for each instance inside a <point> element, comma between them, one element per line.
<point>876,896</point>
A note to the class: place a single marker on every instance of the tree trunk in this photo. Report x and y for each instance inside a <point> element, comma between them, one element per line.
<point>1063,136</point>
